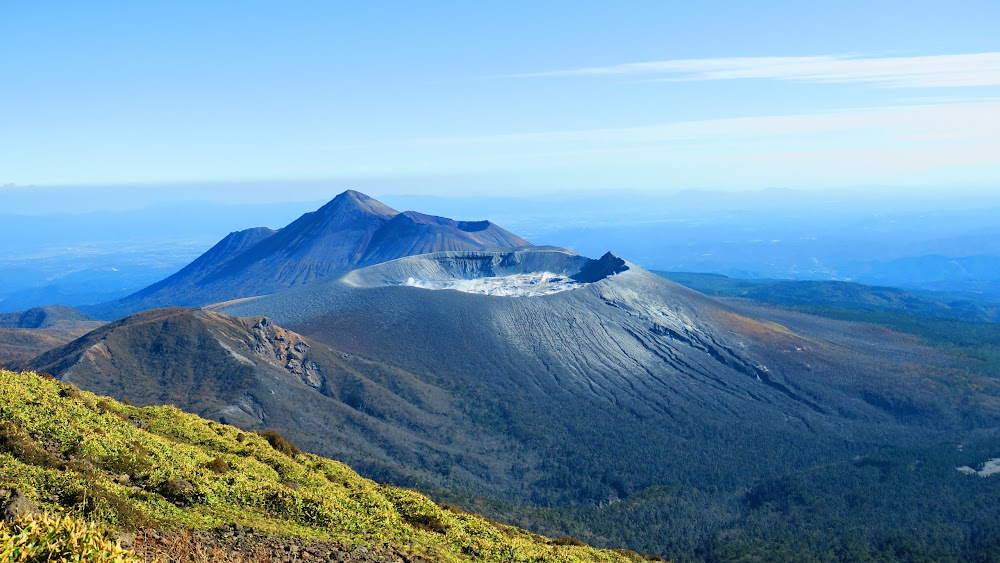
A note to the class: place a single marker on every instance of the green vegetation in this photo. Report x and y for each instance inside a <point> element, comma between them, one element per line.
<point>893,505</point>
<point>963,328</point>
<point>975,344</point>
<point>75,453</point>
<point>44,538</point>
<point>839,295</point>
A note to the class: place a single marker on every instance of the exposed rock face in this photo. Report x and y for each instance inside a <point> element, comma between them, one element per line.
<point>285,349</point>
<point>442,267</point>
<point>176,346</point>
<point>517,273</point>
<point>14,505</point>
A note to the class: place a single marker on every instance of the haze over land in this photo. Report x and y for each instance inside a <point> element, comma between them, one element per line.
<point>940,242</point>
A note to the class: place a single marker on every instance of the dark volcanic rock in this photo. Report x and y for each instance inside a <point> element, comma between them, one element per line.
<point>596,270</point>
<point>14,505</point>
<point>233,542</point>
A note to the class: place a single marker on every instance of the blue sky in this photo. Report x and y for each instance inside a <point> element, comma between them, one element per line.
<point>513,98</point>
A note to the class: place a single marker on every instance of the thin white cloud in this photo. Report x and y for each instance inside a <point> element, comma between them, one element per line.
<point>935,71</point>
<point>956,143</point>
<point>972,120</point>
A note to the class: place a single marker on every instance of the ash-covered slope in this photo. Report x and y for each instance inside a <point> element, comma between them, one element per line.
<point>622,380</point>
<point>254,374</point>
<point>351,230</point>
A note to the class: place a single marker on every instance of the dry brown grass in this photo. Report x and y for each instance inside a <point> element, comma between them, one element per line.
<point>187,547</point>
<point>759,329</point>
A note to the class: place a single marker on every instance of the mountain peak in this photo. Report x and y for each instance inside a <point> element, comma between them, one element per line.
<point>351,230</point>
<point>355,200</point>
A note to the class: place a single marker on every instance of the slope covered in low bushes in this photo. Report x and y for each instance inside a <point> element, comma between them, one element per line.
<point>130,468</point>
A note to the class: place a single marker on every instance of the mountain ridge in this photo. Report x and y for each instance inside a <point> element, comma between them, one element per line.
<point>49,316</point>
<point>351,230</point>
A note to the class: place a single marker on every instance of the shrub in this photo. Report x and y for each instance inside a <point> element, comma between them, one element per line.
<point>137,461</point>
<point>178,491</point>
<point>280,443</point>
<point>15,441</point>
<point>104,404</point>
<point>568,541</point>
<point>46,538</point>
<point>218,465</point>
<point>68,391</point>
<point>426,522</point>
<point>451,508</point>
<point>98,503</point>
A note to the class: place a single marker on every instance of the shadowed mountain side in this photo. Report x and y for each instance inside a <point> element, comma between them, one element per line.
<point>329,240</point>
<point>411,233</point>
<point>351,230</point>
<point>186,286</point>
<point>630,379</point>
<point>21,344</point>
<point>26,334</point>
<point>50,316</point>
<point>254,374</point>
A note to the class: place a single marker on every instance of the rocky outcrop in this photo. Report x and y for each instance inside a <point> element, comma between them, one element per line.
<point>14,505</point>
<point>286,350</point>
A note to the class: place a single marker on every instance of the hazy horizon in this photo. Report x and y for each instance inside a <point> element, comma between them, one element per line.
<point>439,99</point>
<point>72,200</point>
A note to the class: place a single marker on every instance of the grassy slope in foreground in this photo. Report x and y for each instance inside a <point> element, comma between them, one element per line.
<point>74,452</point>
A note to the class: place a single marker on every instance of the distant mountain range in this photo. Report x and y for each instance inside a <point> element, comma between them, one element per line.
<point>454,356</point>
